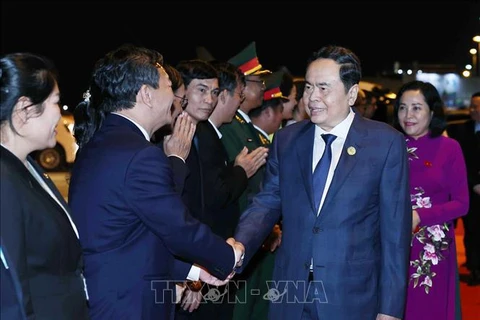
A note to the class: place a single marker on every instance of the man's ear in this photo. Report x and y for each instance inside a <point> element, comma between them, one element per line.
<point>223,95</point>
<point>145,95</point>
<point>269,113</point>
<point>352,94</point>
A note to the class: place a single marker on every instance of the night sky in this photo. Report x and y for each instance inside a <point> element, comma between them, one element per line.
<point>74,34</point>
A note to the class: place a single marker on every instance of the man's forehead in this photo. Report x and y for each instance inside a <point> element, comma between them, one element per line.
<point>208,83</point>
<point>324,71</point>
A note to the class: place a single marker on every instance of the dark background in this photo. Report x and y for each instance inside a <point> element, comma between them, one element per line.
<point>75,34</point>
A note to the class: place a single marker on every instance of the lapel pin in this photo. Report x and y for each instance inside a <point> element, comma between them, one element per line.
<point>351,151</point>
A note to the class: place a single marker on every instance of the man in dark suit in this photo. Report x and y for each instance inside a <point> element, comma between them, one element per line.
<point>468,135</point>
<point>214,184</point>
<point>346,226</point>
<point>130,219</point>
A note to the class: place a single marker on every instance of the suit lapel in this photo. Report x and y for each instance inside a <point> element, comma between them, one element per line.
<point>351,149</point>
<point>31,182</point>
<point>305,155</point>
<point>46,178</point>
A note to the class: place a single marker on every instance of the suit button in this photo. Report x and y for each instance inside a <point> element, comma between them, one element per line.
<point>316,230</point>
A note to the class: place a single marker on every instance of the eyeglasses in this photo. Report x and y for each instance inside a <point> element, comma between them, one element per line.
<point>183,101</point>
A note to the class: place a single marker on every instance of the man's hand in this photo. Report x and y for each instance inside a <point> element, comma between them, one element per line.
<point>239,251</point>
<point>381,316</point>
<point>180,141</point>
<point>250,162</point>
<point>214,281</point>
<point>191,300</point>
<point>179,289</point>
<point>274,239</point>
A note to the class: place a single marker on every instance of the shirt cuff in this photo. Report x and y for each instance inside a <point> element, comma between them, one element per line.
<point>194,273</point>
<point>174,155</point>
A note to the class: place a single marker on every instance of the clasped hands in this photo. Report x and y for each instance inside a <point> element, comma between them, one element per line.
<point>190,297</point>
<point>239,251</point>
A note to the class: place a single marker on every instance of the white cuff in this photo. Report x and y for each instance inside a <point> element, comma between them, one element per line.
<point>194,273</point>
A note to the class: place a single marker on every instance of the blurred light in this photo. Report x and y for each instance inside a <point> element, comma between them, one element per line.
<point>400,71</point>
<point>419,71</point>
<point>409,71</point>
<point>473,51</point>
<point>476,38</point>
<point>391,95</point>
<point>466,73</point>
<point>468,67</point>
<point>65,107</point>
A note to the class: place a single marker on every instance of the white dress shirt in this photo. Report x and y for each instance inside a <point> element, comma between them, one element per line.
<point>341,132</point>
<point>219,134</point>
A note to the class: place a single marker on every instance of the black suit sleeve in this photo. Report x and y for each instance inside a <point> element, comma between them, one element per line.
<point>13,236</point>
<point>223,182</point>
<point>180,172</point>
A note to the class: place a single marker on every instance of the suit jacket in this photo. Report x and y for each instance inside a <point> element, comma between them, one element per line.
<point>43,248</point>
<point>235,136</point>
<point>132,222</point>
<point>360,241</point>
<point>223,183</point>
<point>11,292</point>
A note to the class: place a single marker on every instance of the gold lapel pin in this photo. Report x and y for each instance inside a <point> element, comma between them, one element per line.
<point>351,151</point>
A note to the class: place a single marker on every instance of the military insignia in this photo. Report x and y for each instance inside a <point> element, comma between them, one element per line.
<point>263,140</point>
<point>239,119</point>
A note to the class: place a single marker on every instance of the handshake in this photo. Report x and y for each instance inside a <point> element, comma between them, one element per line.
<point>189,294</point>
<point>239,251</point>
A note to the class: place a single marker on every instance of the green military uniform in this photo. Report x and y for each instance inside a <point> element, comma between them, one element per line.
<point>254,288</point>
<point>257,273</point>
<point>236,135</point>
